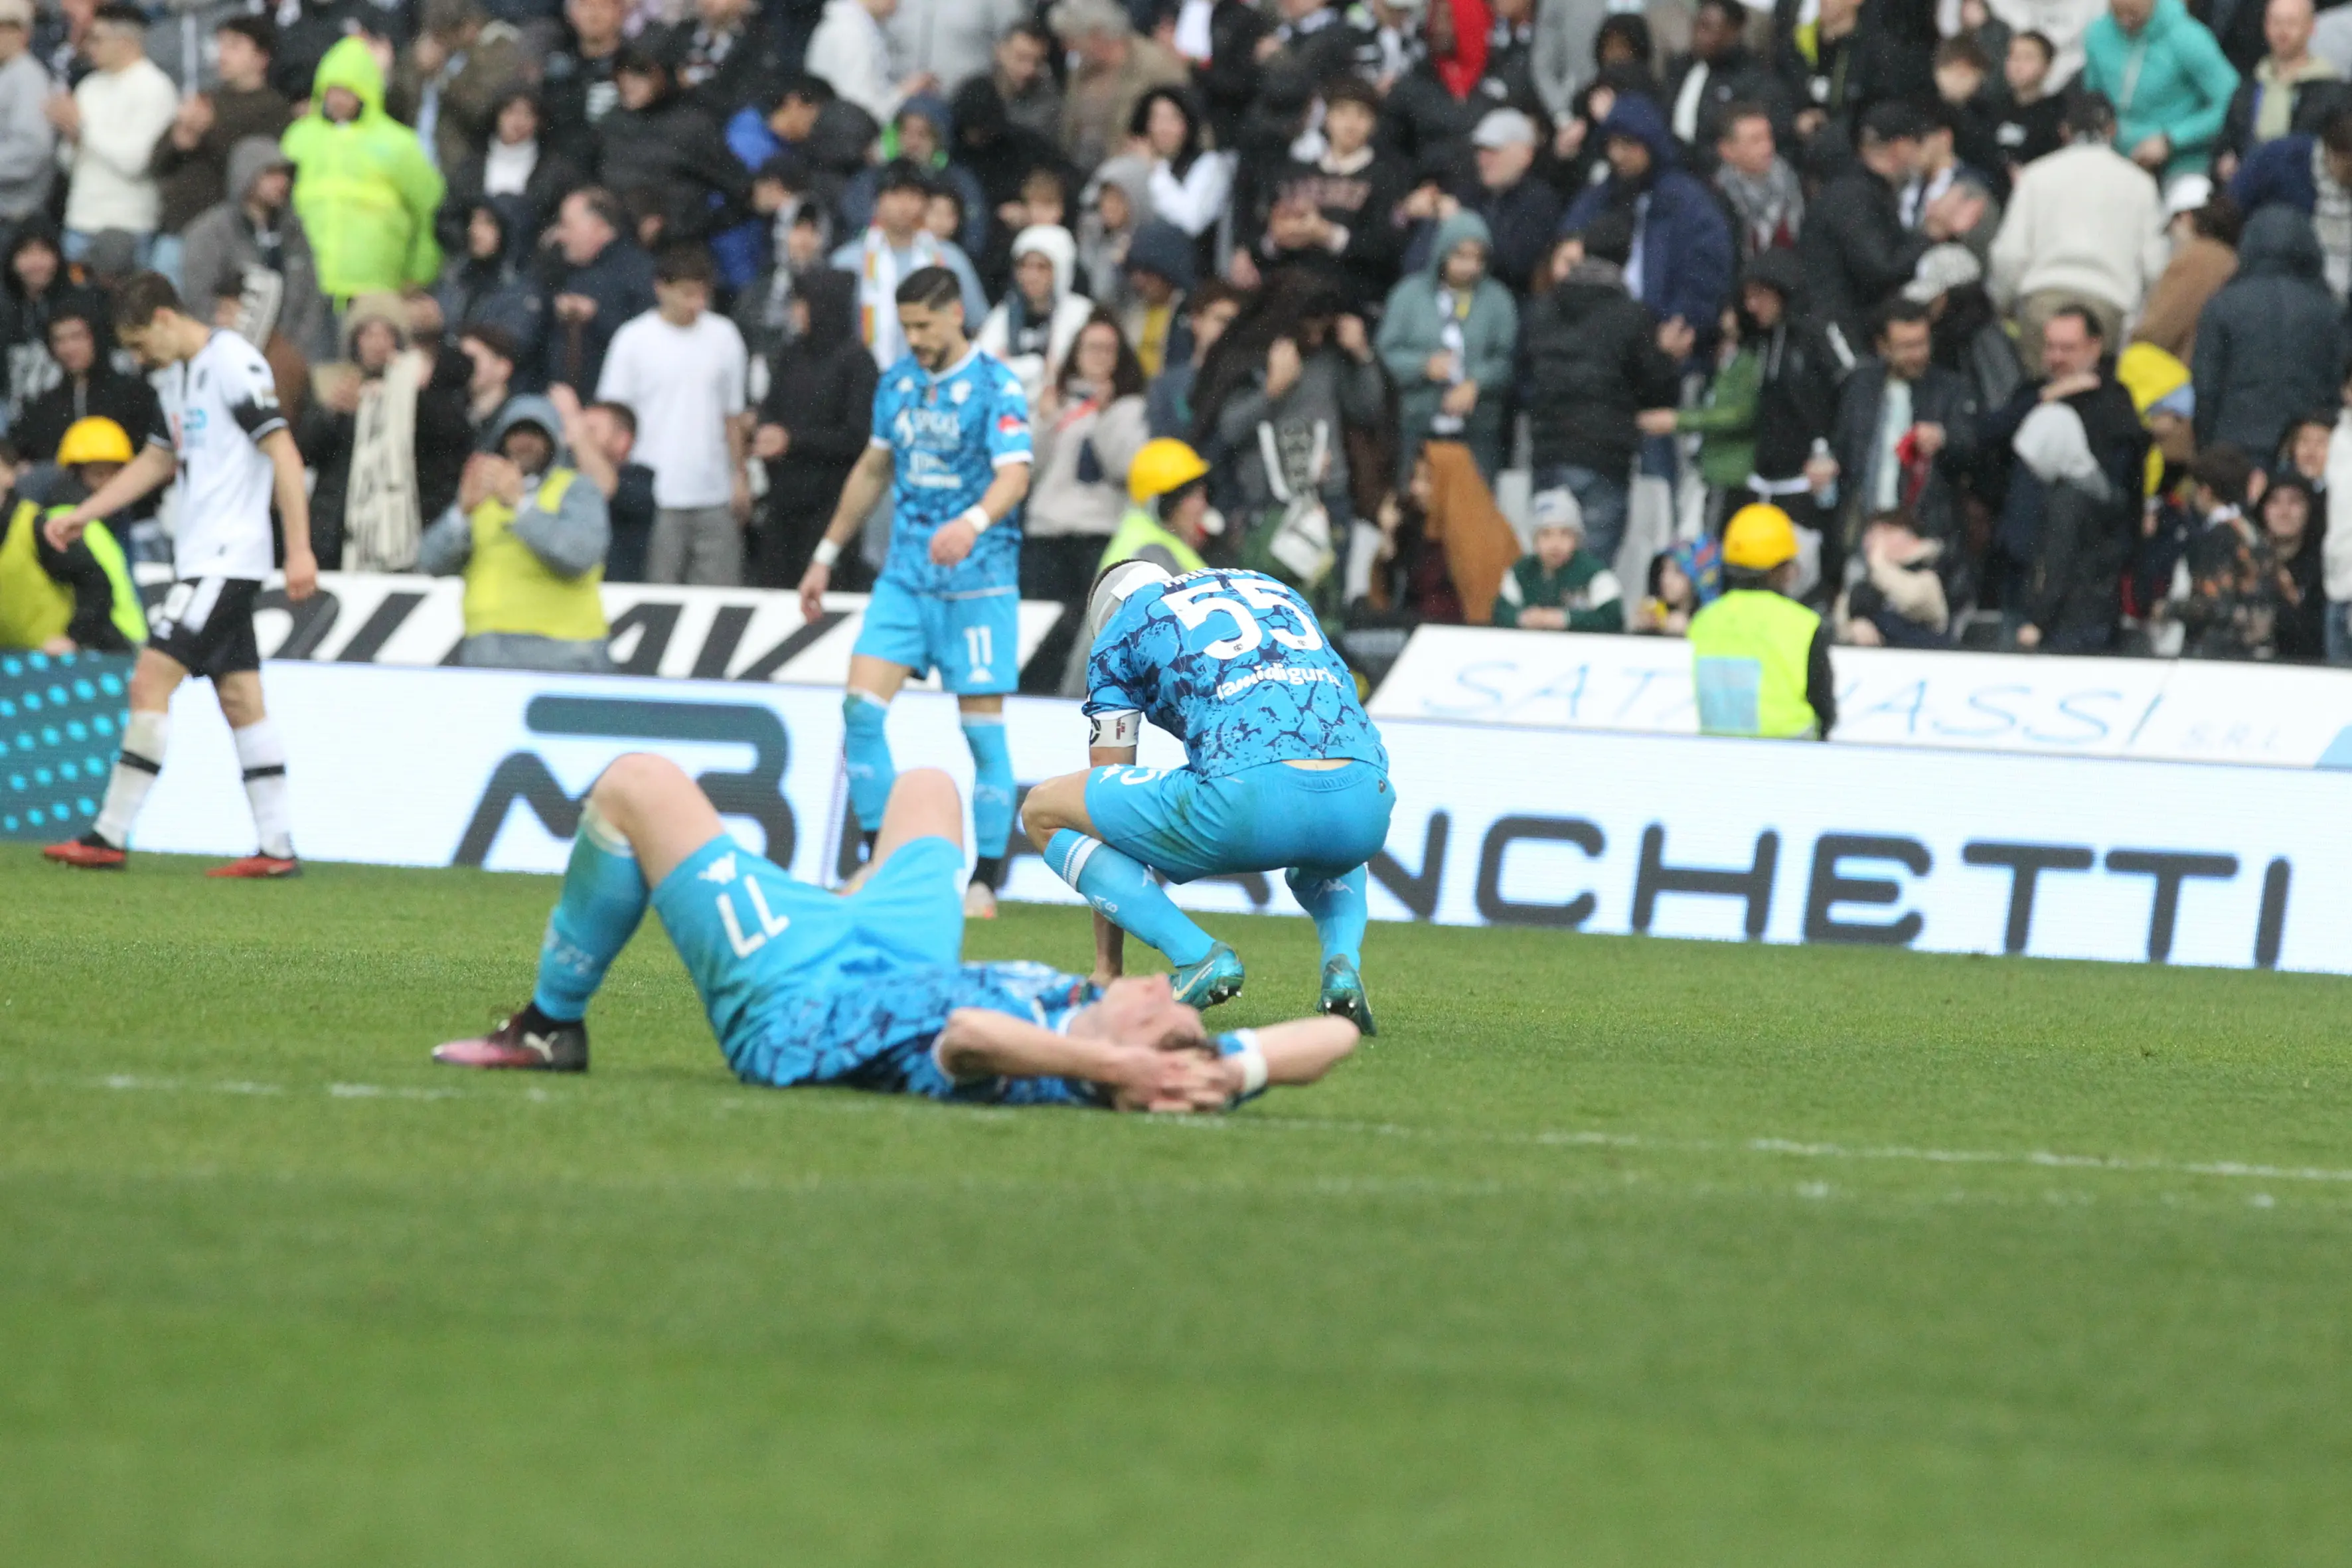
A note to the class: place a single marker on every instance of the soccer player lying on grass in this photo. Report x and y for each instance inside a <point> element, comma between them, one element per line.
<point>802,986</point>
<point>1287,773</point>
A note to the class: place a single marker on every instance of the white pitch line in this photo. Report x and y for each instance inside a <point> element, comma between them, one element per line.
<point>1578,1137</point>
<point>2043,1158</point>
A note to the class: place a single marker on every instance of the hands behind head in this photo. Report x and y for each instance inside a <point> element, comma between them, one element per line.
<point>1182,1080</point>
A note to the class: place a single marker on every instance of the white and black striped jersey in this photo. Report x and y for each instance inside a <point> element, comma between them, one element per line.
<point>217,408</point>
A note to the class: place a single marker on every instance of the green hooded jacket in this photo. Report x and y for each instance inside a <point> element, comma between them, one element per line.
<point>366,190</point>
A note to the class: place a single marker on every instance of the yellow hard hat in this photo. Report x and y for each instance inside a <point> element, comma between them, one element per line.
<point>93,440</point>
<point>1760,537</point>
<point>1163,465</point>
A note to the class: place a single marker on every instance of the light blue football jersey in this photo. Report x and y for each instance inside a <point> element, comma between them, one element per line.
<point>1235,665</point>
<point>948,435</point>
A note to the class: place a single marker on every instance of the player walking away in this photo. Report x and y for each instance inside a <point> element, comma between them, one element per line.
<point>1287,773</point>
<point>951,437</point>
<point>864,990</point>
<point>233,453</point>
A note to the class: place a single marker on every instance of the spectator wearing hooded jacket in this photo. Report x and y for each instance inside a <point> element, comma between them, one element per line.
<point>256,227</point>
<point>482,287</point>
<point>364,187</point>
<point>1155,279</point>
<point>1033,327</point>
<point>2269,345</point>
<point>1592,365</point>
<point>1433,110</point>
<point>659,142</point>
<point>1447,337</point>
<point>921,133</point>
<point>89,387</point>
<point>529,533</point>
<point>2169,81</point>
<point>815,424</point>
<point>37,286</point>
<point>1682,244</point>
<point>518,171</point>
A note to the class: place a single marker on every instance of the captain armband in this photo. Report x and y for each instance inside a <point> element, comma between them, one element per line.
<point>1120,729</point>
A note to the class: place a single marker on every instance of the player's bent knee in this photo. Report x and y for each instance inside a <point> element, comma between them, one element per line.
<point>925,784</point>
<point>635,776</point>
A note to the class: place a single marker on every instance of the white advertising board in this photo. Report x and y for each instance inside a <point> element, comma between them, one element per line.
<point>2054,857</point>
<point>2166,709</point>
<point>705,634</point>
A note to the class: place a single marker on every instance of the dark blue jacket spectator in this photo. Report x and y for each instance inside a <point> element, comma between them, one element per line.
<point>1682,244</point>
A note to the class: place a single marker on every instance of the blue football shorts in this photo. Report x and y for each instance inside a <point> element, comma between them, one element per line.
<point>1267,818</point>
<point>973,641</point>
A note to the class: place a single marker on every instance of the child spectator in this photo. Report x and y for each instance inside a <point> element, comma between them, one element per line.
<point>1684,581</point>
<point>2232,607</point>
<point>1560,586</point>
<point>2289,511</point>
<point>1898,602</point>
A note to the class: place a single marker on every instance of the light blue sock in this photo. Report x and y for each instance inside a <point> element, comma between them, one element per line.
<point>603,898</point>
<point>991,784</point>
<point>1124,891</point>
<point>1337,907</point>
<point>867,751</point>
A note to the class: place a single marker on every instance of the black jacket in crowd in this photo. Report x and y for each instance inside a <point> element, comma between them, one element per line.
<point>673,149</point>
<point>820,390</point>
<point>1591,363</point>
<point>444,439</point>
<point>1856,253</point>
<point>1937,397</point>
<point>1739,77</point>
<point>1797,399</point>
<point>2270,345</point>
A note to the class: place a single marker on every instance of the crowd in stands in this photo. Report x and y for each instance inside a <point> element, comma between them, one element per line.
<point>2030,314</point>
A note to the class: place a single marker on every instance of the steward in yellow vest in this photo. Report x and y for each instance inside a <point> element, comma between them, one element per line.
<point>530,534</point>
<point>1761,660</point>
<point>1169,484</point>
<point>58,601</point>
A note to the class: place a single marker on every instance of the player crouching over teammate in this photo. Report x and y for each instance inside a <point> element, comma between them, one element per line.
<point>227,441</point>
<point>79,597</point>
<point>864,990</point>
<point>1285,772</point>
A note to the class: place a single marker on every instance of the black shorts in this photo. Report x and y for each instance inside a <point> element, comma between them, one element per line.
<point>206,624</point>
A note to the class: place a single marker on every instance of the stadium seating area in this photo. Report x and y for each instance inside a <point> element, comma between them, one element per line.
<point>2032,315</point>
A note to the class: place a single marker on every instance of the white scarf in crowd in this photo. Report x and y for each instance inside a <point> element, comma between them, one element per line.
<point>381,521</point>
<point>878,290</point>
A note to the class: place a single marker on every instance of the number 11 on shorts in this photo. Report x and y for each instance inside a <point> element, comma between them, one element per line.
<point>980,649</point>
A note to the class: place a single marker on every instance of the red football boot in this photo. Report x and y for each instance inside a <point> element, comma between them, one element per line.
<point>90,852</point>
<point>260,866</point>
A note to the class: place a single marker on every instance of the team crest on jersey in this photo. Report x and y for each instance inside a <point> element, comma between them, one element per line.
<point>721,870</point>
<point>906,384</point>
<point>962,394</point>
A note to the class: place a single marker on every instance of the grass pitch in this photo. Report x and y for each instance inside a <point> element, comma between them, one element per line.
<point>1608,1251</point>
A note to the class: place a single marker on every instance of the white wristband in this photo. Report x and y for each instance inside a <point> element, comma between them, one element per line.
<point>827,553</point>
<point>978,516</point>
<point>1252,1061</point>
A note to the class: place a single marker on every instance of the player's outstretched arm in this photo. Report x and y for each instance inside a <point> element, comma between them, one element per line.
<point>867,480</point>
<point>151,468</point>
<point>1305,1048</point>
<point>978,1043</point>
<point>293,511</point>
